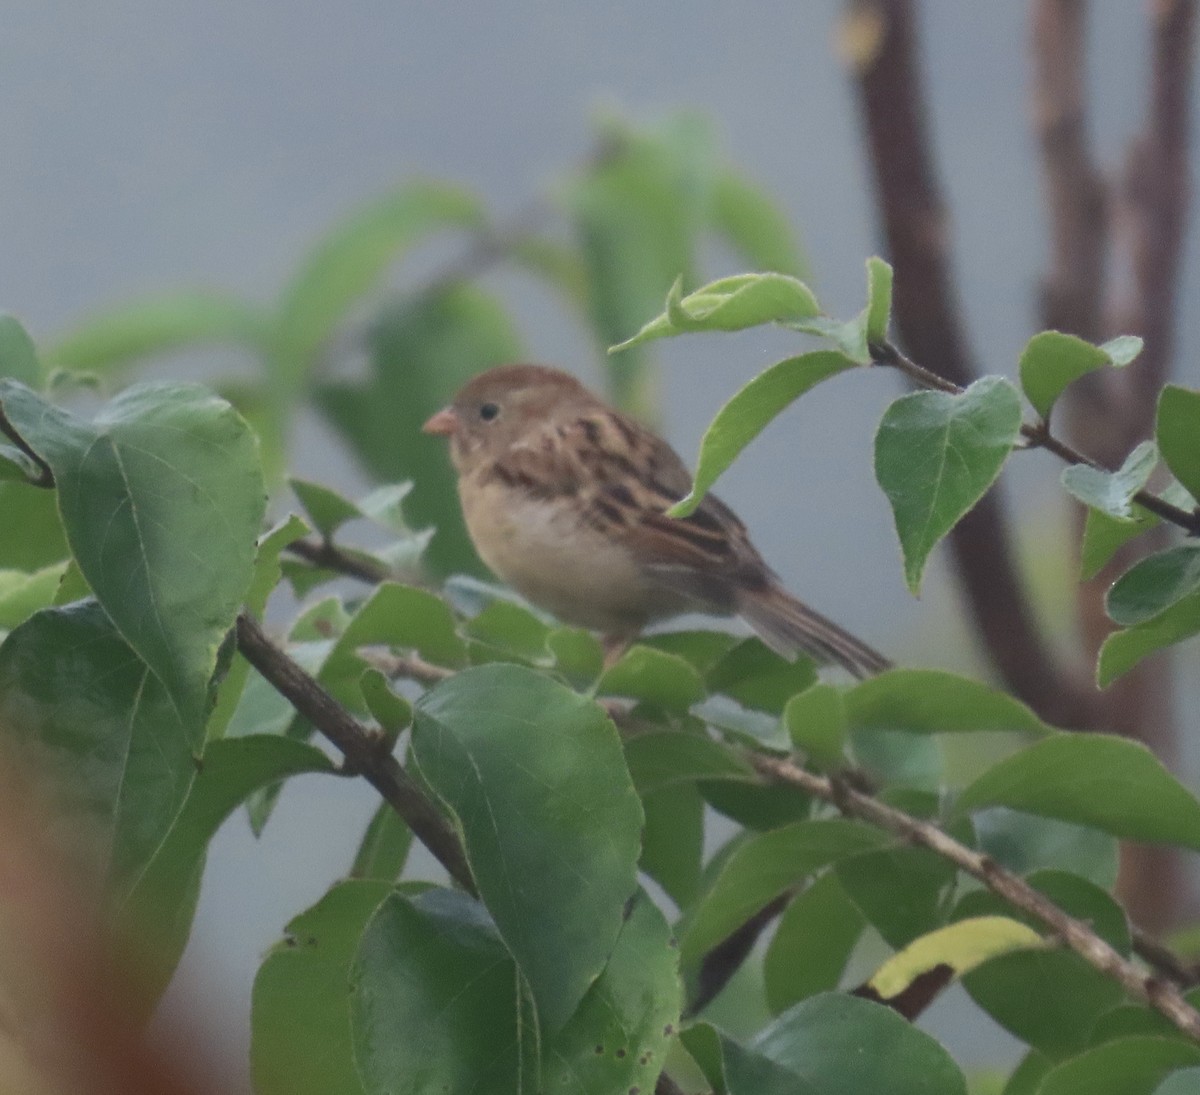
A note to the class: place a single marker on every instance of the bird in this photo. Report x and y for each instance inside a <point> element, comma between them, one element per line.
<point>565,499</point>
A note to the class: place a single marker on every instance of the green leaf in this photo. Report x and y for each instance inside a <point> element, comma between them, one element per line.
<point>665,758</point>
<point>159,910</point>
<point>1052,360</point>
<point>618,1039</point>
<point>1184,1082</point>
<point>300,1022</point>
<point>762,868</point>
<point>421,353</point>
<point>157,326</point>
<point>1050,998</point>
<point>262,585</point>
<point>1104,535</point>
<point>744,417</point>
<point>1154,584</point>
<point>879,300</point>
<point>812,945</point>
<point>116,754</point>
<point>391,710</point>
<point>438,1003</point>
<point>673,840</point>
<point>1024,843</point>
<point>834,1044</point>
<point>536,784</point>
<point>22,593</point>
<point>162,499</point>
<point>327,509</point>
<point>1112,492</point>
<point>757,677</point>
<point>935,457</point>
<point>1122,650</point>
<point>931,701</point>
<point>903,892</point>
<point>637,212</point>
<point>384,848</point>
<point>35,513</point>
<point>755,225</point>
<point>350,261</point>
<point>1177,429</point>
<point>511,628</point>
<point>1107,782</point>
<point>18,355</point>
<point>653,677</point>
<point>816,723</point>
<point>729,304</point>
<point>1128,1066</point>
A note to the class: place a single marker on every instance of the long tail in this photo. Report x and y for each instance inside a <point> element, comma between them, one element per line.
<point>788,627</point>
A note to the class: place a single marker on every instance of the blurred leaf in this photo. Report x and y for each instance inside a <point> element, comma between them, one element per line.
<point>729,304</point>
<point>1112,492</point>
<point>834,1044</point>
<point>1052,360</point>
<point>327,509</point>
<point>762,868</point>
<point>931,701</point>
<point>673,840</point>
<point>162,499</point>
<point>1110,783</point>
<point>812,945</point>
<point>1028,1074</point>
<point>1154,584</point>
<point>421,354</point>
<point>262,585</point>
<point>391,710</point>
<point>755,225</point>
<point>113,752</point>
<point>703,649</point>
<point>816,723</point>
<point>617,1040</point>
<point>1122,650</point>
<point>35,512</point>
<point>23,593</point>
<point>1104,535</point>
<point>1024,843</point>
<point>158,912</point>
<point>961,946</point>
<point>745,416</point>
<point>758,806</point>
<point>637,213</point>
<point>935,457</point>
<point>536,784</point>
<point>1184,1082</point>
<point>508,626</point>
<point>757,677</point>
<point>1049,998</point>
<point>18,355</point>
<point>1177,430</point>
<point>1128,1066</point>
<point>350,261</point>
<point>155,326</point>
<point>898,759</point>
<point>384,847</point>
<point>300,1022</point>
<point>654,677</point>
<point>903,892</point>
<point>664,758</point>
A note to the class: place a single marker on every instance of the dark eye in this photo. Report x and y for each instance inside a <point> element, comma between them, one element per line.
<point>489,411</point>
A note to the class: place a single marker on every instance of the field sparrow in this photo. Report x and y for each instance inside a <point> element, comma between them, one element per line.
<point>565,499</point>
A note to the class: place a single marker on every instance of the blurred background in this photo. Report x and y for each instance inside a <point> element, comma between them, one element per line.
<point>151,148</point>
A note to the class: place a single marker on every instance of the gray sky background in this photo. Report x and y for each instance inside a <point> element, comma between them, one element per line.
<point>149,146</point>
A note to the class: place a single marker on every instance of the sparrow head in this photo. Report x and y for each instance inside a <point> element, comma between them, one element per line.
<point>497,409</point>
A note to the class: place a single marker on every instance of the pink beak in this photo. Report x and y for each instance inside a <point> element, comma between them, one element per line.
<point>445,422</point>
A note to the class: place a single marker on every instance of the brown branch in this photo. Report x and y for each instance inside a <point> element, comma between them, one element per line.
<point>1158,993</point>
<point>927,315</point>
<point>361,748</point>
<point>1072,292</point>
<point>327,555</point>
<point>1037,436</point>
<point>412,667</point>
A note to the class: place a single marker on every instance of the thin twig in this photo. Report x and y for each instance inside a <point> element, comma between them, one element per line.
<point>362,749</point>
<point>411,667</point>
<point>1038,436</point>
<point>1158,993</point>
<point>328,556</point>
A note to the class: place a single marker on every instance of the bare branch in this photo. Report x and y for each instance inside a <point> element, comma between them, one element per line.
<point>327,555</point>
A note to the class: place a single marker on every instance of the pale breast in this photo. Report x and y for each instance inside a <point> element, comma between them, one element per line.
<point>559,563</point>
